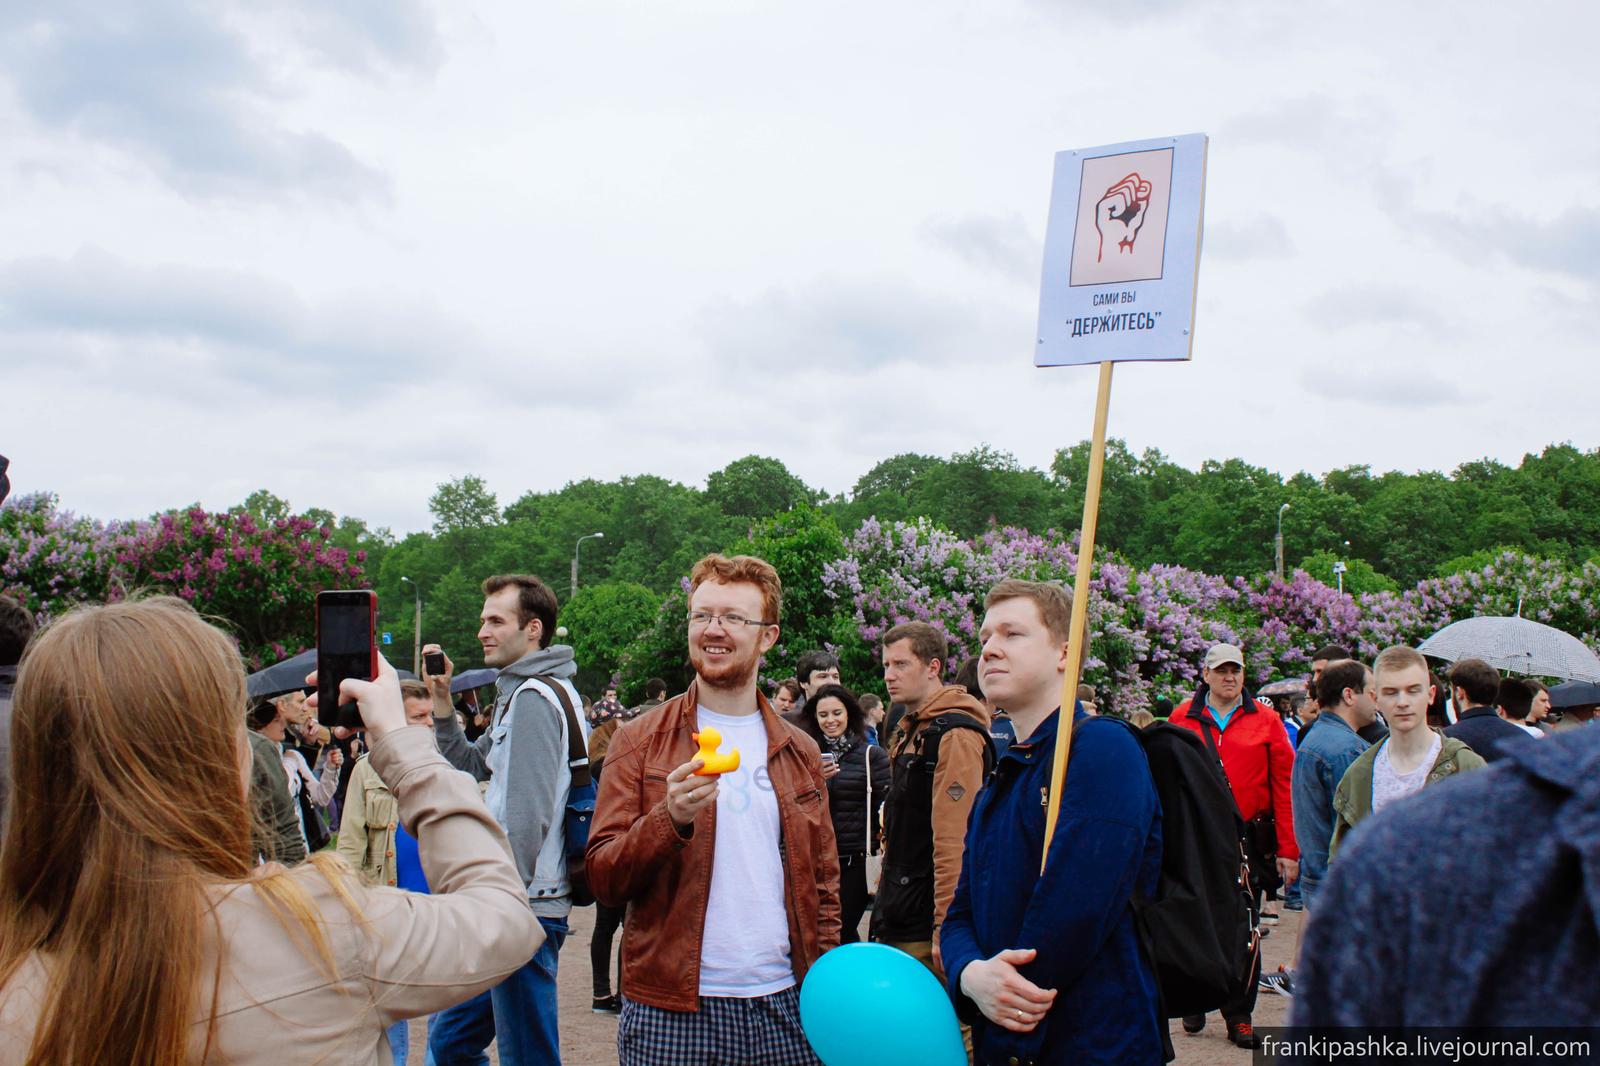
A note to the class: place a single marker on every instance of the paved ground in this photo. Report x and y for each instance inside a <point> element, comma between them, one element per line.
<point>591,1039</point>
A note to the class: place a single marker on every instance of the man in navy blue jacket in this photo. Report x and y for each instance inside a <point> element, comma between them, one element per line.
<point>1049,969</point>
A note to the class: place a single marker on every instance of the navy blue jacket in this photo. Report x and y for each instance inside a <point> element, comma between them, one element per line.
<point>1321,760</point>
<point>1472,903</point>
<point>1486,733</point>
<point>1107,839</point>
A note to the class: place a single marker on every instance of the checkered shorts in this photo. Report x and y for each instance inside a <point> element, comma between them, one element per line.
<point>764,1031</point>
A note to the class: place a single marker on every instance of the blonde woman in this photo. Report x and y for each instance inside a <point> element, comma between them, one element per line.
<point>133,928</point>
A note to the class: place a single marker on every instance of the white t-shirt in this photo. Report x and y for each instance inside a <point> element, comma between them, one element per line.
<point>744,952</point>
<point>1532,730</point>
<point>1389,785</point>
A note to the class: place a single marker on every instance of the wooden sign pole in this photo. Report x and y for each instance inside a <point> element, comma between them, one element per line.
<point>1078,642</point>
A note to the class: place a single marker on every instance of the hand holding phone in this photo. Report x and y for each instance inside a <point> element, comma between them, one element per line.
<point>347,647</point>
<point>830,765</point>
<point>376,704</point>
<point>437,670</point>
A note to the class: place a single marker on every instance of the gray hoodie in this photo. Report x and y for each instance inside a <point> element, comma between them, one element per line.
<point>523,756</point>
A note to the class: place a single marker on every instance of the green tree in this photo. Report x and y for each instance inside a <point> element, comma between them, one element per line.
<point>1124,493</point>
<point>660,651</point>
<point>1359,575</point>
<point>463,503</point>
<point>601,622</point>
<point>754,487</point>
<point>982,486</point>
<point>265,506</point>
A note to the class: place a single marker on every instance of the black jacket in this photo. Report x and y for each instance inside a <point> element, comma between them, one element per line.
<point>1486,733</point>
<point>847,795</point>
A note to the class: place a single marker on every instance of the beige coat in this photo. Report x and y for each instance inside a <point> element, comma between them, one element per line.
<point>404,956</point>
<point>367,825</point>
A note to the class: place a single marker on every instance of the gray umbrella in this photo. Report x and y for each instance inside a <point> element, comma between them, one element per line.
<point>1516,644</point>
<point>472,679</point>
<point>286,676</point>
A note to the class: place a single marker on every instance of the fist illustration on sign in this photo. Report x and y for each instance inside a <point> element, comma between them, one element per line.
<point>1120,213</point>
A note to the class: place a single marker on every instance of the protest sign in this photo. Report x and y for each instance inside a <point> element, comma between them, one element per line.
<point>1121,252</point>
<point>1121,258</point>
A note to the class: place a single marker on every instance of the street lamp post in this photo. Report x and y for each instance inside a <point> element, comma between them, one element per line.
<point>416,636</point>
<point>1279,543</point>
<point>575,548</point>
<point>1339,568</point>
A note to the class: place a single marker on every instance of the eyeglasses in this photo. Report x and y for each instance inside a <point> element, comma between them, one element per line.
<point>702,619</point>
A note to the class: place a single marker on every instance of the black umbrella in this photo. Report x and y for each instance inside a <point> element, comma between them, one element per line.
<point>472,679</point>
<point>287,676</point>
<point>1574,694</point>
<point>290,675</point>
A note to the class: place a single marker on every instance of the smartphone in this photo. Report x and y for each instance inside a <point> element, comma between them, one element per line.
<point>828,758</point>
<point>347,646</point>
<point>433,663</point>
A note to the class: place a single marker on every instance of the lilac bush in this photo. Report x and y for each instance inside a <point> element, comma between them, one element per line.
<point>51,559</point>
<point>260,577</point>
<point>1151,626</point>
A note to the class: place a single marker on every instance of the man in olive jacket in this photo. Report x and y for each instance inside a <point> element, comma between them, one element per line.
<point>1411,757</point>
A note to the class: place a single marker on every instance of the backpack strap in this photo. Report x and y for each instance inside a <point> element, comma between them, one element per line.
<point>935,730</point>
<point>1206,726</point>
<point>577,751</point>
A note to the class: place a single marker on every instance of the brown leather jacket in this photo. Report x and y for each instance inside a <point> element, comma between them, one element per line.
<point>637,857</point>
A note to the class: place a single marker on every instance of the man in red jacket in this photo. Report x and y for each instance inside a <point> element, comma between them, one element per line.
<point>1254,749</point>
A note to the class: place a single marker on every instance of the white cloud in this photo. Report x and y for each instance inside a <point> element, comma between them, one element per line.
<point>1003,245</point>
<point>350,248</point>
<point>188,86</point>
<point>1262,237</point>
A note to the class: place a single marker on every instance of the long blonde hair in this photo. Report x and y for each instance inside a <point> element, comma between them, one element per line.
<point>127,811</point>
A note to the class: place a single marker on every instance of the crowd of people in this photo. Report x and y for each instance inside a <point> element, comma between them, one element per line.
<point>314,890</point>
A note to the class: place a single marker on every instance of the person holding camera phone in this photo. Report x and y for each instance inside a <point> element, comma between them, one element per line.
<point>135,923</point>
<point>857,772</point>
<point>524,757</point>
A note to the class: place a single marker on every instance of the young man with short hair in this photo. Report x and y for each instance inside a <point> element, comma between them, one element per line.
<point>1253,746</point>
<point>940,757</point>
<point>1514,703</point>
<point>1349,700</point>
<point>1539,709</point>
<point>525,758</point>
<point>731,879</point>
<point>1412,756</point>
<point>1328,653</point>
<point>817,668</point>
<point>788,698</point>
<point>1475,686</point>
<point>1323,656</point>
<point>1050,969</point>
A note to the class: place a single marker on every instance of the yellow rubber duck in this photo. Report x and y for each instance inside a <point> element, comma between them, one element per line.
<point>708,739</point>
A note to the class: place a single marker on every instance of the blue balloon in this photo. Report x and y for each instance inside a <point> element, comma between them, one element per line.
<point>873,1005</point>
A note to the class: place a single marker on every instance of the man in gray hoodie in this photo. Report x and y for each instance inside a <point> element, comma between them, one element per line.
<point>523,756</point>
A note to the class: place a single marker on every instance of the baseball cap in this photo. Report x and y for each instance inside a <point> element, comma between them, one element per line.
<point>1223,653</point>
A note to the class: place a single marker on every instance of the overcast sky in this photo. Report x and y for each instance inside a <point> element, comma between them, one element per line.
<point>346,249</point>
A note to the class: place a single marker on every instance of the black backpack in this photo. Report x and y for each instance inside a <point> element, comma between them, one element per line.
<point>1199,929</point>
